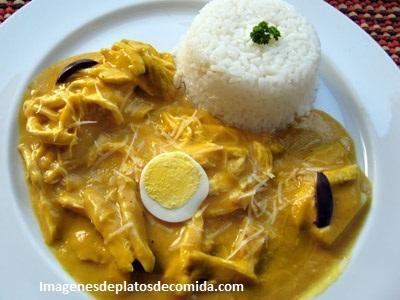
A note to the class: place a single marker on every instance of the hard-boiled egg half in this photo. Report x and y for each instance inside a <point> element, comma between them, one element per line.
<point>172,186</point>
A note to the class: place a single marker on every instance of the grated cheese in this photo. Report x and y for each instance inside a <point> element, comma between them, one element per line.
<point>117,232</point>
<point>108,195</point>
<point>175,244</point>
<point>39,107</point>
<point>79,123</point>
<point>98,92</point>
<point>127,179</point>
<point>244,242</point>
<point>183,125</point>
<point>125,99</point>
<point>219,230</point>
<point>128,151</point>
<point>104,156</point>
<point>273,214</point>
<point>280,193</point>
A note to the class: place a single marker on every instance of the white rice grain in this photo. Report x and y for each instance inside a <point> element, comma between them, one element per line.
<point>251,86</point>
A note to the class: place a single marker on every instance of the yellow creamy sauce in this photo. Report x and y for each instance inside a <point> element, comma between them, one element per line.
<point>256,225</point>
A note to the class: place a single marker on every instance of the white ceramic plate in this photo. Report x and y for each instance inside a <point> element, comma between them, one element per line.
<point>360,86</point>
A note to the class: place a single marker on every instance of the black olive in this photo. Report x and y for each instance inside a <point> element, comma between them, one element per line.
<point>323,201</point>
<point>75,67</point>
<point>137,266</point>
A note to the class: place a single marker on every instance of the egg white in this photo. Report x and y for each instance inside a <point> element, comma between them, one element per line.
<point>184,212</point>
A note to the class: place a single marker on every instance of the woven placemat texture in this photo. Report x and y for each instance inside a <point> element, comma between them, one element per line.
<point>381,19</point>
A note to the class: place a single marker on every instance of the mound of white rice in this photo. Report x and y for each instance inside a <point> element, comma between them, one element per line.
<point>251,86</point>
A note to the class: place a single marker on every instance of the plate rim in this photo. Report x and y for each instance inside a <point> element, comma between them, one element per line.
<point>385,65</point>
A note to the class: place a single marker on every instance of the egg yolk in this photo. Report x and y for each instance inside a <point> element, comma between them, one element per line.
<point>171,179</point>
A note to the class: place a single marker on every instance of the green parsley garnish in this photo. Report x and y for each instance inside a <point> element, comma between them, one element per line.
<point>262,33</point>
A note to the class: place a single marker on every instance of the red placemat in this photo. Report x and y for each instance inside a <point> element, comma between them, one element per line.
<point>381,19</point>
